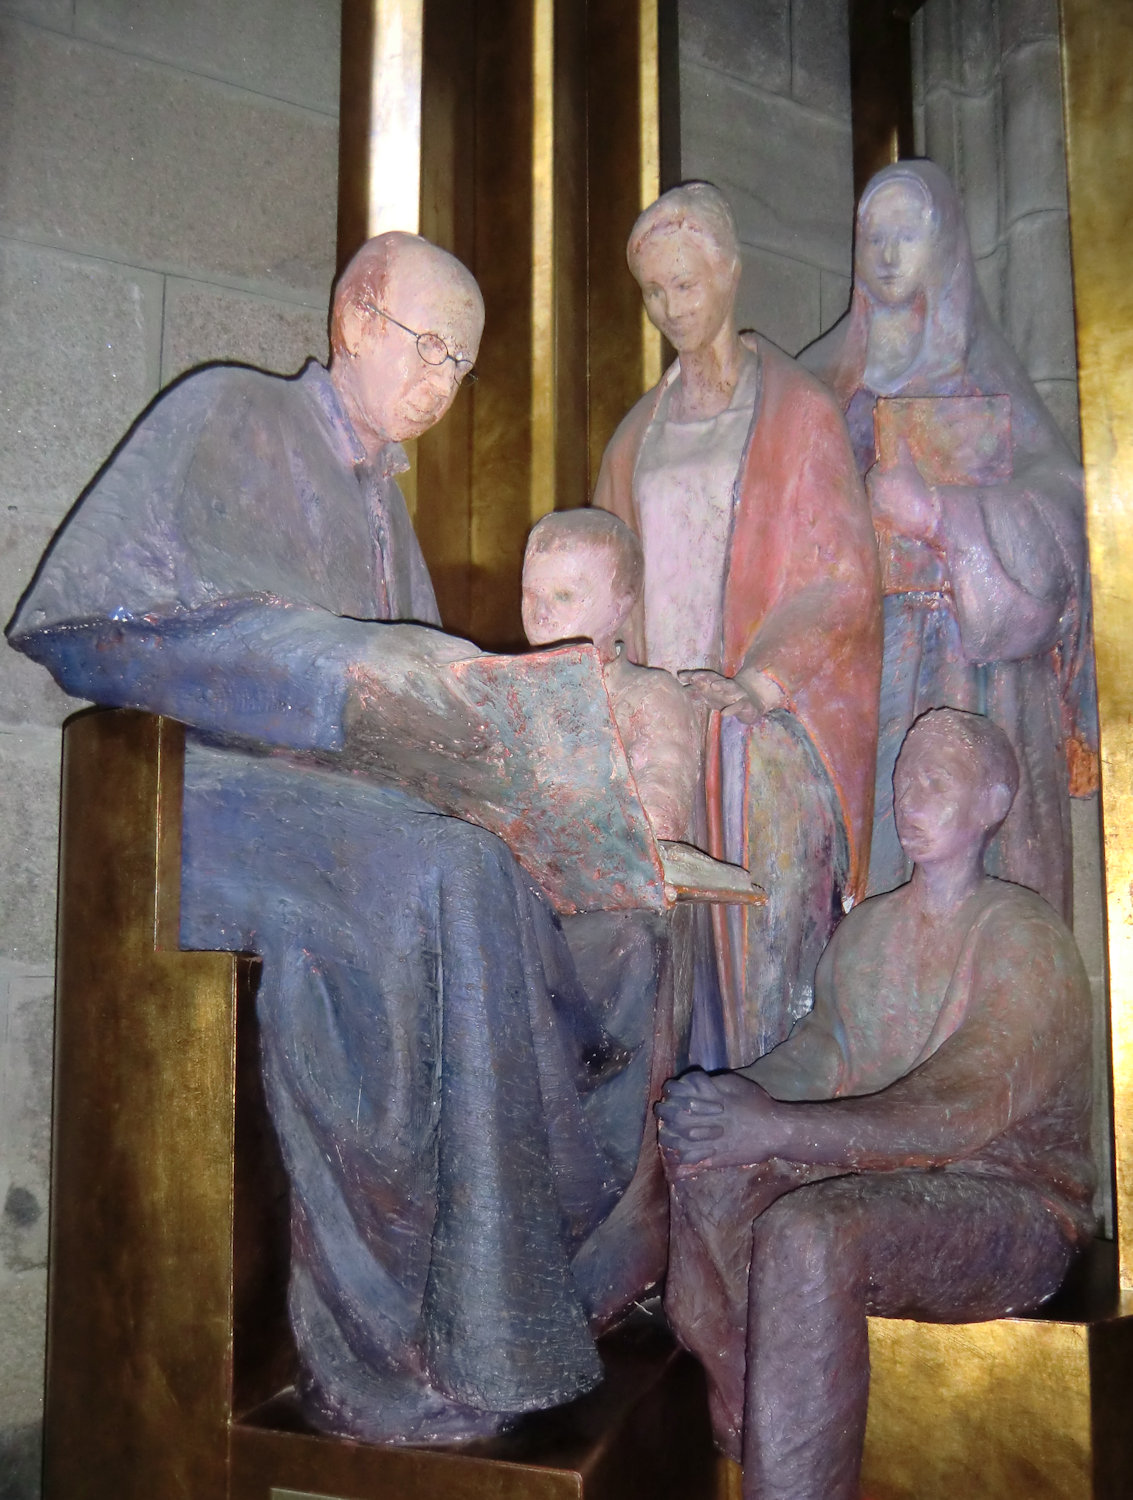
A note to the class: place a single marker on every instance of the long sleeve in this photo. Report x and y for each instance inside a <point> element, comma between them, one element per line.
<point>251,671</point>
<point>229,565</point>
<point>1010,580</point>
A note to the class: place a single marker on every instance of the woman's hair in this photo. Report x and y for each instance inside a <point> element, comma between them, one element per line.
<point>698,208</point>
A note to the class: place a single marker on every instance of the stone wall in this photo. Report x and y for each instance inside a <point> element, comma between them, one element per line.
<point>167,196</point>
<point>988,106</point>
<point>765,115</point>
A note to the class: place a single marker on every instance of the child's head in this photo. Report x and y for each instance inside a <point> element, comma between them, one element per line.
<point>582,574</point>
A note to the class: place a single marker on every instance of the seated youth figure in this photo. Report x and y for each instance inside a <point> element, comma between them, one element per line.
<point>940,1087</point>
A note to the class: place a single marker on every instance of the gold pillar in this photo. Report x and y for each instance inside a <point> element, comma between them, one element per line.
<point>538,145</point>
<point>881,85</point>
<point>140,1308</point>
<point>1098,93</point>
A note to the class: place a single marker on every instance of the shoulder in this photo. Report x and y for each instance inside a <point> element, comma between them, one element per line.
<point>867,917</point>
<point>1004,905</point>
<point>647,686</point>
<point>1020,943</point>
<point>787,384</point>
<point>631,429</point>
<point>213,385</point>
<point>613,490</point>
<point>216,396</point>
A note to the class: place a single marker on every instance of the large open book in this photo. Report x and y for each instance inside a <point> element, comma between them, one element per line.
<point>547,772</point>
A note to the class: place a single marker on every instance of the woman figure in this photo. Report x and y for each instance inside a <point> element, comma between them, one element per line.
<point>978,510</point>
<point>761,590</point>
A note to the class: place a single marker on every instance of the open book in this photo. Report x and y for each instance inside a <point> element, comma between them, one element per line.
<point>549,775</point>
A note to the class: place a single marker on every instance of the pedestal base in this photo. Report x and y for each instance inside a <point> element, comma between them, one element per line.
<point>644,1433</point>
<point>1033,1407</point>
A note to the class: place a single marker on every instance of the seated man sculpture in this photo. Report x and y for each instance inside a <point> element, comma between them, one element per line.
<point>918,1147</point>
<point>427,1044</point>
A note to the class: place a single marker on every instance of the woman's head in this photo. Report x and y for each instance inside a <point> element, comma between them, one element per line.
<point>684,252</point>
<point>895,245</point>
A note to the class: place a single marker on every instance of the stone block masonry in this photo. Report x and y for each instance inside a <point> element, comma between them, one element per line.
<point>167,198</point>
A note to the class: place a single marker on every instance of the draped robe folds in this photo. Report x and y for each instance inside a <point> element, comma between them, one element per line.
<point>791,797</point>
<point>983,1094</point>
<point>451,1104</point>
<point>993,613</point>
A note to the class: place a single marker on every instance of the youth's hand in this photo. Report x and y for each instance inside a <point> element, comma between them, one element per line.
<point>748,696</point>
<point>718,1120</point>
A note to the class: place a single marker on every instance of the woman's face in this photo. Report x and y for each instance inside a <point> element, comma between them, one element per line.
<point>895,243</point>
<point>687,286</point>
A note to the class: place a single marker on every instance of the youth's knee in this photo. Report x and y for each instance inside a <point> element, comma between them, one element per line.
<point>810,1237</point>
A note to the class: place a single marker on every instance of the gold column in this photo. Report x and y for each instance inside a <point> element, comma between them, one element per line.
<point>880,84</point>
<point>140,1315</point>
<point>379,133</point>
<point>1098,93</point>
<point>538,145</point>
<point>379,142</point>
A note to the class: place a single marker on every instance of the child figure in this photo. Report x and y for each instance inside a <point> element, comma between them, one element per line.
<point>582,578</point>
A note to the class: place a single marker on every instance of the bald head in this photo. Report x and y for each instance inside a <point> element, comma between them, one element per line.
<point>395,382</point>
<point>393,262</point>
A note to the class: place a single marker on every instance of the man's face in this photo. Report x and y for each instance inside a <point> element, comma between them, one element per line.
<point>895,243</point>
<point>687,286</point>
<point>568,595</point>
<point>399,393</point>
<point>940,801</point>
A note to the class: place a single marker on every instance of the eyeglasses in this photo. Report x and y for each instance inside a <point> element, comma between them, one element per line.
<point>430,346</point>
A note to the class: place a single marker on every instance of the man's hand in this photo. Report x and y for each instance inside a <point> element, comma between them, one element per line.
<point>901,500</point>
<point>749,695</point>
<point>718,1120</point>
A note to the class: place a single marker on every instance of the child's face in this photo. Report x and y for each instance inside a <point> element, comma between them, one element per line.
<point>567,595</point>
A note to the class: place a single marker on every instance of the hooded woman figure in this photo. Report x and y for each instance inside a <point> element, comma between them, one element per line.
<point>978,509</point>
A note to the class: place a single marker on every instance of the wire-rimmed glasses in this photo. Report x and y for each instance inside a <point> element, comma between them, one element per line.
<point>430,346</point>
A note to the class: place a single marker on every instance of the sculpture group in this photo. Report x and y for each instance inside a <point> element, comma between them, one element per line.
<point>789,575</point>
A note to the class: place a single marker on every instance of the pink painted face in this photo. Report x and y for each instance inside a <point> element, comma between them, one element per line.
<point>940,804</point>
<point>400,394</point>
<point>568,595</point>
<point>688,288</point>
<point>894,246</point>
